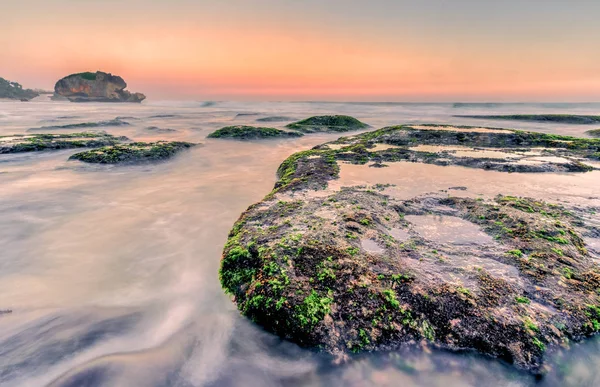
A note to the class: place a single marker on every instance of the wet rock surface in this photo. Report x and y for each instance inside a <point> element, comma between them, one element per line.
<point>360,270</point>
<point>594,132</point>
<point>41,142</point>
<point>95,87</point>
<point>337,123</point>
<point>132,153</point>
<point>246,132</point>
<point>558,118</point>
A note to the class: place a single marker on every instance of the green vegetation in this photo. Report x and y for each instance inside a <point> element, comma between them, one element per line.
<point>522,300</point>
<point>557,118</point>
<point>135,152</point>
<point>245,132</point>
<point>313,310</point>
<point>336,123</point>
<point>14,90</point>
<point>88,76</point>
<point>42,142</point>
<point>515,253</point>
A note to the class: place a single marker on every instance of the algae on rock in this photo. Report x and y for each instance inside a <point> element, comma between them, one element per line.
<point>297,263</point>
<point>135,152</point>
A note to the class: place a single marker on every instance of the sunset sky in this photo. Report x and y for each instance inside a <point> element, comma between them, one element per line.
<point>375,50</point>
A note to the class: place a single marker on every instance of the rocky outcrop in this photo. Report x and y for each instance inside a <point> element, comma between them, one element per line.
<point>19,143</point>
<point>245,132</point>
<point>549,118</point>
<point>336,123</point>
<point>95,87</point>
<point>13,90</point>
<point>359,269</point>
<point>133,153</point>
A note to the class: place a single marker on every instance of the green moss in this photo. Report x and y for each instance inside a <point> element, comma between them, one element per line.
<point>89,76</point>
<point>132,153</point>
<point>390,297</point>
<point>313,309</point>
<point>558,118</point>
<point>522,300</point>
<point>515,253</point>
<point>245,132</point>
<point>337,123</point>
<point>233,273</point>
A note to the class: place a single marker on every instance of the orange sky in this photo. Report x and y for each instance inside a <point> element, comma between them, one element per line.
<point>207,50</point>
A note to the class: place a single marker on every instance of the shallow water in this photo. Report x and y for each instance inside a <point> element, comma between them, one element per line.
<point>111,273</point>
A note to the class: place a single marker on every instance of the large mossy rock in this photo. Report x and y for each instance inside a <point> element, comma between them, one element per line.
<point>245,132</point>
<point>336,123</point>
<point>349,271</point>
<point>13,90</point>
<point>40,142</point>
<point>95,87</point>
<point>133,153</point>
<point>550,118</point>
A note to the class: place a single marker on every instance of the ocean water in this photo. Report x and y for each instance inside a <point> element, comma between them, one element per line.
<point>111,272</point>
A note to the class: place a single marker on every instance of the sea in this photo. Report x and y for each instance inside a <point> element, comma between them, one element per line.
<point>109,274</point>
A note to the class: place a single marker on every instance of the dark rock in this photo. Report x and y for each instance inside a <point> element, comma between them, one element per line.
<point>327,124</point>
<point>13,90</point>
<point>273,119</point>
<point>95,87</point>
<point>39,142</point>
<point>245,132</point>
<point>83,125</point>
<point>132,153</point>
<point>552,118</point>
<point>593,133</point>
<point>325,272</point>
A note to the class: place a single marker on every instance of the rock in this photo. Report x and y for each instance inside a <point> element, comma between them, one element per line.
<point>95,87</point>
<point>87,125</point>
<point>135,152</point>
<point>593,133</point>
<point>273,119</point>
<point>13,90</point>
<point>245,132</point>
<point>39,142</point>
<point>553,118</point>
<point>327,124</point>
<point>324,271</point>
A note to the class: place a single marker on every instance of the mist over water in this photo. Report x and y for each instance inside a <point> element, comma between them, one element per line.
<point>111,272</point>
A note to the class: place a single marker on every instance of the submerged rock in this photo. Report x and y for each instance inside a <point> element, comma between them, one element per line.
<point>13,90</point>
<point>594,133</point>
<point>99,124</point>
<point>358,270</point>
<point>327,124</point>
<point>245,132</point>
<point>273,119</point>
<point>556,118</point>
<point>135,152</point>
<point>95,87</point>
<point>39,142</point>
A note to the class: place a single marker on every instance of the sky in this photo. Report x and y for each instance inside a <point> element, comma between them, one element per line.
<point>348,50</point>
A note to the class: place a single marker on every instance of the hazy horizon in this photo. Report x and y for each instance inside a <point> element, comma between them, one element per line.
<point>392,51</point>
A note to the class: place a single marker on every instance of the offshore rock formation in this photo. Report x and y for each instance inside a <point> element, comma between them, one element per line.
<point>336,123</point>
<point>133,153</point>
<point>13,90</point>
<point>245,132</point>
<point>40,142</point>
<point>95,87</point>
<point>359,269</point>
